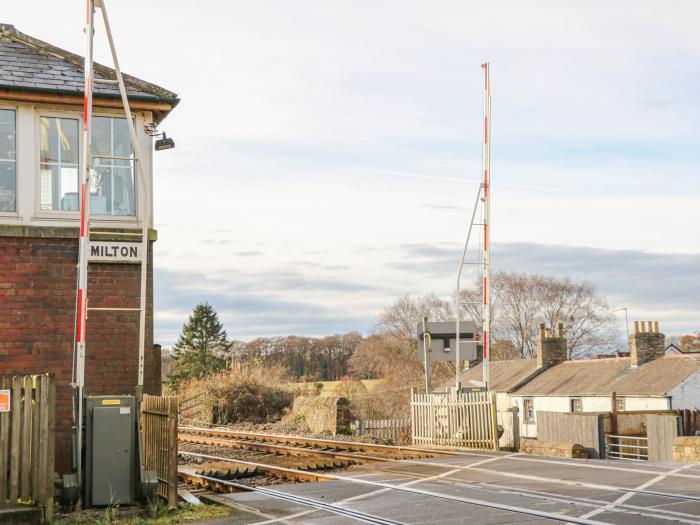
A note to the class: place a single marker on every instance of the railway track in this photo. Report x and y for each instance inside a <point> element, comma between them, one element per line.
<point>280,457</point>
<point>225,474</point>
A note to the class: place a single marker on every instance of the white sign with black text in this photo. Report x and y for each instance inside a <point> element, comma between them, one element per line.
<point>115,252</point>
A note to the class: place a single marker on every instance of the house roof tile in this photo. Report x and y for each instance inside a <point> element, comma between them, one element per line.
<point>601,377</point>
<point>27,63</point>
<point>503,375</point>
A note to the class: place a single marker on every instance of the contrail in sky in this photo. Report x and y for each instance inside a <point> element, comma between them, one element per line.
<point>433,177</point>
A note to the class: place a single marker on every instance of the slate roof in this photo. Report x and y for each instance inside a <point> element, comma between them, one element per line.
<point>601,377</point>
<point>503,375</point>
<point>27,63</point>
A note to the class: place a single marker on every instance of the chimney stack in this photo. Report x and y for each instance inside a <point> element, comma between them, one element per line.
<point>646,342</point>
<point>551,348</point>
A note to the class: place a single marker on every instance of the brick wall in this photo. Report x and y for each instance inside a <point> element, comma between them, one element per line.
<point>37,309</point>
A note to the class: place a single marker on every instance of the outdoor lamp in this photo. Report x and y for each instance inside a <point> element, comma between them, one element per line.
<point>164,143</point>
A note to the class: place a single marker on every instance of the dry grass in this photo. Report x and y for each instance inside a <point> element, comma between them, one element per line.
<point>247,392</point>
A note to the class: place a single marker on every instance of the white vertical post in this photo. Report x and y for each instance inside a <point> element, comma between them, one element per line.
<point>427,348</point>
<point>486,321</point>
<point>81,317</point>
<point>145,198</point>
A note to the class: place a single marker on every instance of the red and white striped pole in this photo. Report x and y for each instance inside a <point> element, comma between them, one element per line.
<point>81,317</point>
<point>486,208</point>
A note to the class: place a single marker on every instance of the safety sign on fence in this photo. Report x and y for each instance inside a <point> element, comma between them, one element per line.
<point>4,400</point>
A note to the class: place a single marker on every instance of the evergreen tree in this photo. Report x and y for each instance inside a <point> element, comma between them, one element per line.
<point>201,348</point>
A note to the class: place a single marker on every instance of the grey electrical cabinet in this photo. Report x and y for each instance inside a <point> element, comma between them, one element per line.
<point>110,471</point>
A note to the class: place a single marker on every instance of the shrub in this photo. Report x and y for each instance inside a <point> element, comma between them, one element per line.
<point>247,392</point>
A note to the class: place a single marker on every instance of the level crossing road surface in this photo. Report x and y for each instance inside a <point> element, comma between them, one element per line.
<point>484,488</point>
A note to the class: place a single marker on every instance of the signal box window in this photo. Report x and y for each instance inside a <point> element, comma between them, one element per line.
<point>8,161</point>
<point>58,164</point>
<point>112,179</point>
<point>576,404</point>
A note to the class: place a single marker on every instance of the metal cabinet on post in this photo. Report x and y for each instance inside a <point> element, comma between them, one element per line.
<point>110,472</point>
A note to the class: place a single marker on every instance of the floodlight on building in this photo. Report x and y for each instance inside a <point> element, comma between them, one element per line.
<point>164,143</point>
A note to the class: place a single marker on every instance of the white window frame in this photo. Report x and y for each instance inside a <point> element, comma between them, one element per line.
<point>74,216</point>
<point>572,403</point>
<point>526,417</point>
<point>15,108</point>
<point>620,404</point>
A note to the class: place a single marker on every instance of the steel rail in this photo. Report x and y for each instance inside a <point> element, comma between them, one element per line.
<point>454,453</point>
<point>577,501</point>
<point>269,447</point>
<point>470,501</point>
<point>348,445</point>
<point>596,486</point>
<point>308,502</point>
<point>282,472</point>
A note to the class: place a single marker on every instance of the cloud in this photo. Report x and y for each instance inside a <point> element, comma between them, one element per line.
<point>283,302</point>
<point>667,285</point>
<point>254,305</point>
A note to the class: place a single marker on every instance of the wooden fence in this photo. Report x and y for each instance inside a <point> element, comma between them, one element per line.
<point>27,441</point>
<point>599,432</point>
<point>455,419</point>
<point>159,417</point>
<point>662,429</point>
<point>689,421</point>
<point>398,430</point>
<point>585,429</point>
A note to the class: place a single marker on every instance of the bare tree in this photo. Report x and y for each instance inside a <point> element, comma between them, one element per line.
<point>521,301</point>
<point>400,319</point>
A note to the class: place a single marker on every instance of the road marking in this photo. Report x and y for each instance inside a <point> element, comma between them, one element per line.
<point>628,495</point>
<point>284,519</point>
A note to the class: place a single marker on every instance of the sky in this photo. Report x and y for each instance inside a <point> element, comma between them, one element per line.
<point>329,152</point>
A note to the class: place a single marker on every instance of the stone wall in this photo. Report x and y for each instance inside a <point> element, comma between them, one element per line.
<point>37,317</point>
<point>686,449</point>
<point>323,414</point>
<point>557,449</point>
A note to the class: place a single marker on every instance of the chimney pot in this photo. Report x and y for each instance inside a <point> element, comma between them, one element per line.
<point>551,348</point>
<point>646,343</point>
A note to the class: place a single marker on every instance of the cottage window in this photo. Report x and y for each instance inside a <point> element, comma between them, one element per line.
<point>58,164</point>
<point>528,410</point>
<point>112,181</point>
<point>576,404</point>
<point>8,161</point>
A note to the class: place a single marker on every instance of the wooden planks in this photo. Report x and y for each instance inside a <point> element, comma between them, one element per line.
<point>460,420</point>
<point>27,441</point>
<point>159,417</point>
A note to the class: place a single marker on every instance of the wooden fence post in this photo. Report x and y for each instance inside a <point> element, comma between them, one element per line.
<point>172,452</point>
<point>494,420</point>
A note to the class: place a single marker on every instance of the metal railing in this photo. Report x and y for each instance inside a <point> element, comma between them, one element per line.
<point>627,447</point>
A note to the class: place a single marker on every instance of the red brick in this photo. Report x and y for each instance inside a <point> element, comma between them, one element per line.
<point>37,301</point>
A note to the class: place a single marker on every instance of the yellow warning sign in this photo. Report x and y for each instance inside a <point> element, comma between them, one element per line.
<point>111,402</point>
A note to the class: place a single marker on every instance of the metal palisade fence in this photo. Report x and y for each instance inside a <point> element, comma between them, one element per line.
<point>27,440</point>
<point>467,420</point>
